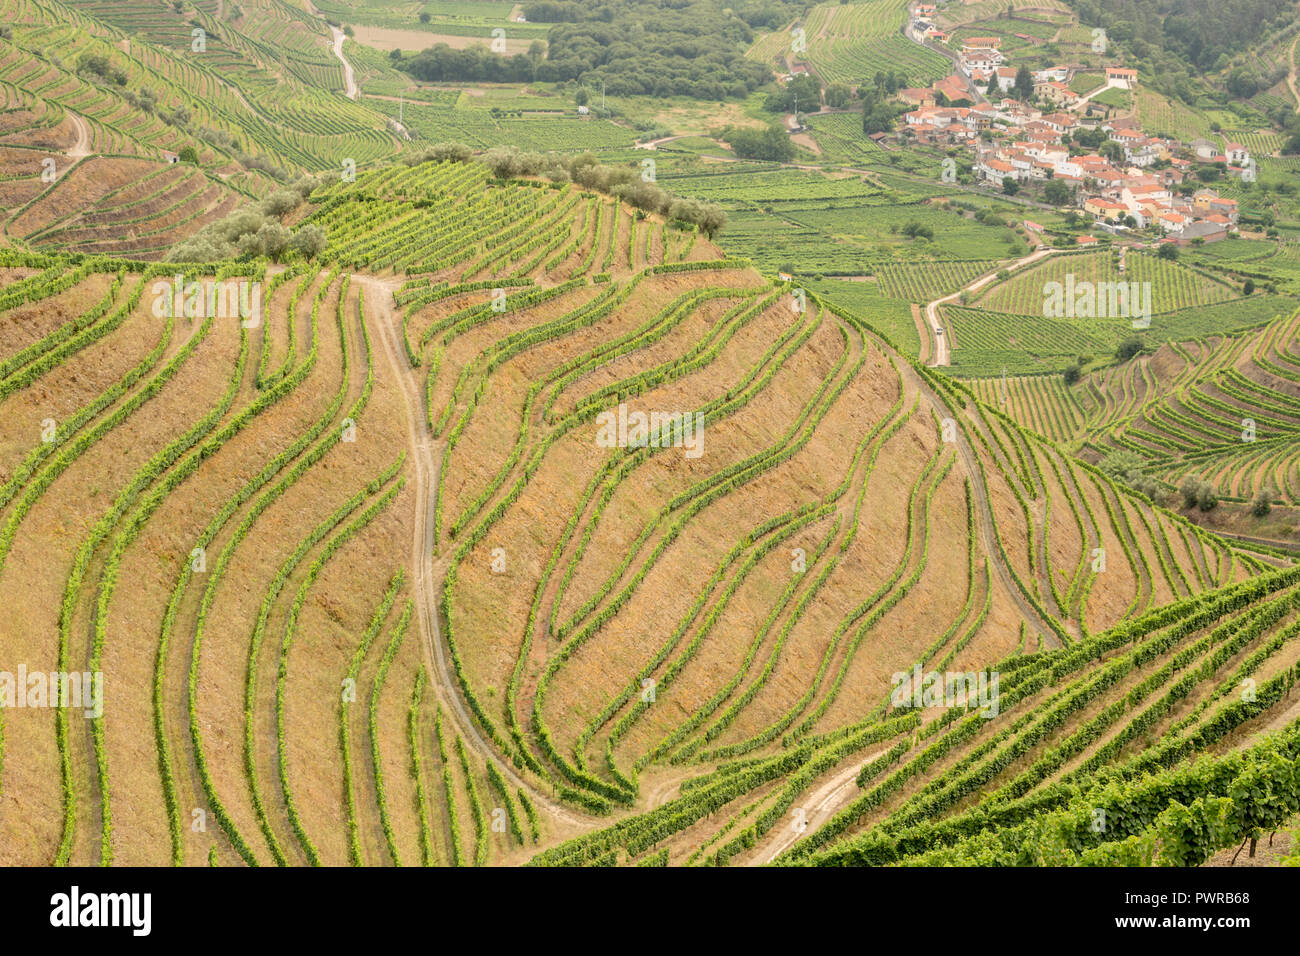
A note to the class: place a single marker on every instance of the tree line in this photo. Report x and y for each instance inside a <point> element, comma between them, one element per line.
<point>623,182</point>
<point>634,47</point>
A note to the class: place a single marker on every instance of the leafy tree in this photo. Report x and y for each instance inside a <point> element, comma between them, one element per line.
<point>838,95</point>
<point>189,154</point>
<point>308,242</point>
<point>887,82</point>
<point>1262,503</point>
<point>1010,186</point>
<point>1128,348</point>
<point>1120,462</point>
<point>877,115</point>
<point>1198,493</point>
<point>638,47</point>
<point>804,89</point>
<point>712,219</point>
<point>1168,251</point>
<point>1072,373</point>
<point>1206,499</point>
<point>1128,468</point>
<point>1057,192</point>
<point>281,201</point>
<point>1023,88</point>
<point>271,241</point>
<point>771,143</point>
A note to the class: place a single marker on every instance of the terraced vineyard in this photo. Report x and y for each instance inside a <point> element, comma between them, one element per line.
<point>1036,321</point>
<point>1042,403</point>
<point>1173,286</point>
<point>847,42</point>
<point>88,158</point>
<point>921,282</point>
<point>509,522</point>
<point>555,623</point>
<point>1222,408</point>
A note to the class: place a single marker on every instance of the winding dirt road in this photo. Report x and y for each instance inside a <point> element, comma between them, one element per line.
<point>426,457</point>
<point>942,355</point>
<point>979,492</point>
<point>819,807</point>
<point>1290,73</point>
<point>351,90</point>
<point>81,148</point>
<point>349,77</point>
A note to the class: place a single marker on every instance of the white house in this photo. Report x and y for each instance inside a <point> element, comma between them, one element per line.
<point>984,60</point>
<point>1134,195</point>
<point>1058,74</point>
<point>1122,76</point>
<point>996,170</point>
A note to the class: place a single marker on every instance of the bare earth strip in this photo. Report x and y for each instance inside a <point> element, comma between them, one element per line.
<point>386,38</point>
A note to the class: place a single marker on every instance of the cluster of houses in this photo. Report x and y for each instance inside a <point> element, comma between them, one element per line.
<point>1134,185</point>
<point>1120,193</point>
<point>983,62</point>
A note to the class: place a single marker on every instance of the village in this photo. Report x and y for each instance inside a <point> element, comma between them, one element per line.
<point>1026,127</point>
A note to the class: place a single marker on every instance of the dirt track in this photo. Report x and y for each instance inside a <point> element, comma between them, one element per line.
<point>426,456</point>
<point>81,148</point>
<point>942,355</point>
<point>349,77</point>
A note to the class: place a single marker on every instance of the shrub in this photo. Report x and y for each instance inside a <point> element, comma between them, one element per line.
<point>203,247</point>
<point>271,240</point>
<point>1206,499</point>
<point>1120,463</point>
<point>1263,503</point>
<point>309,241</point>
<point>1196,492</point>
<point>281,201</point>
<point>1128,348</point>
